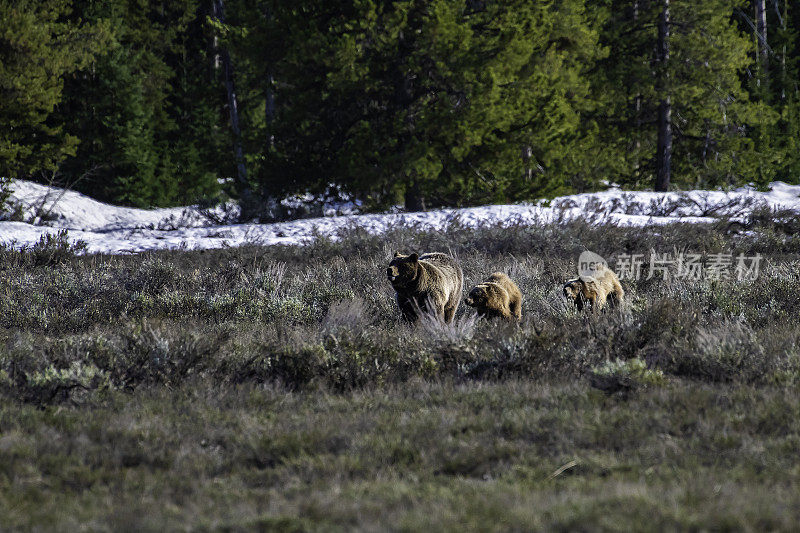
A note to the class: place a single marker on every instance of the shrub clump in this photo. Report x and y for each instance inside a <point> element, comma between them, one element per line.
<point>624,376</point>
<point>73,325</point>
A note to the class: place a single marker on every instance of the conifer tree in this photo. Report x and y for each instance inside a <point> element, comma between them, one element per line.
<point>437,102</point>
<point>147,113</point>
<point>774,86</point>
<point>711,110</point>
<point>420,102</point>
<point>38,48</point>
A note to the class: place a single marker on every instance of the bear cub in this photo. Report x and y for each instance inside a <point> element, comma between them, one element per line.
<point>497,297</point>
<point>595,291</point>
<point>430,282</point>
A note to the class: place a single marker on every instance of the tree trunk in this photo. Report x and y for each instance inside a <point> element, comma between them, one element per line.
<point>269,96</point>
<point>269,110</point>
<point>414,200</point>
<point>782,19</point>
<point>637,108</point>
<point>761,31</point>
<point>664,148</point>
<point>247,201</point>
<point>527,154</point>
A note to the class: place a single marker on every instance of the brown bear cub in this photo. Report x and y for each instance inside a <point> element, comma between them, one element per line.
<point>497,297</point>
<point>429,283</point>
<point>595,291</point>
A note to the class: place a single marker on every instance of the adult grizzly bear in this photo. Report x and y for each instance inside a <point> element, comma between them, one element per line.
<point>596,290</point>
<point>496,297</point>
<point>429,282</point>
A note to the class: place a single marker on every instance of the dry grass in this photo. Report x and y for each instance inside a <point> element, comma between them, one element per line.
<point>277,388</point>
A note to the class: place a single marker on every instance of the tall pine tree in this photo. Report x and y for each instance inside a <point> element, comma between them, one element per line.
<point>773,84</point>
<point>429,103</point>
<point>148,112</point>
<point>710,108</point>
<point>39,46</point>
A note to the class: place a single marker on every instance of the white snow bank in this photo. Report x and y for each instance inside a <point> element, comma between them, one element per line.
<point>685,204</point>
<point>72,210</point>
<point>110,229</point>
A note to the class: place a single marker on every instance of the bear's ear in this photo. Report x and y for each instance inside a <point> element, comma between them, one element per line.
<point>413,257</point>
<point>397,254</point>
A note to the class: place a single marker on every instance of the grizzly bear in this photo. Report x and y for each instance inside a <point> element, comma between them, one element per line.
<point>429,282</point>
<point>596,290</point>
<point>497,297</point>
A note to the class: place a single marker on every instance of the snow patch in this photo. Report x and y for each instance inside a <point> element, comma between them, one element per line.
<point>110,229</point>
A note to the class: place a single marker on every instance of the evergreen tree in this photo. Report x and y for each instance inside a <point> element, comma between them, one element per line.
<point>248,202</point>
<point>787,87</point>
<point>433,102</point>
<point>711,110</point>
<point>199,145</point>
<point>148,112</point>
<point>257,35</point>
<point>425,102</point>
<point>774,86</point>
<point>38,47</point>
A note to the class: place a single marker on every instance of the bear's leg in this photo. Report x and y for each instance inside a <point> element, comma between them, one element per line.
<point>592,303</point>
<point>408,309</point>
<point>495,313</point>
<point>431,306</point>
<point>612,300</point>
<point>440,311</point>
<point>449,313</point>
<point>617,294</point>
<point>516,308</point>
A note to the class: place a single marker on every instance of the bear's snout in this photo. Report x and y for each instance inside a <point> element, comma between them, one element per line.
<point>390,274</point>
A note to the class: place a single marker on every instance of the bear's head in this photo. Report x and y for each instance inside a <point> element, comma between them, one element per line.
<point>580,292</point>
<point>478,296</point>
<point>573,289</point>
<point>403,269</point>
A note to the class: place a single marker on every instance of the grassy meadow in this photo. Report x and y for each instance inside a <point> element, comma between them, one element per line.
<point>275,388</point>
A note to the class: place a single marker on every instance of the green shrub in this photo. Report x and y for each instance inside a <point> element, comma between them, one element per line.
<point>55,249</point>
<point>624,376</point>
